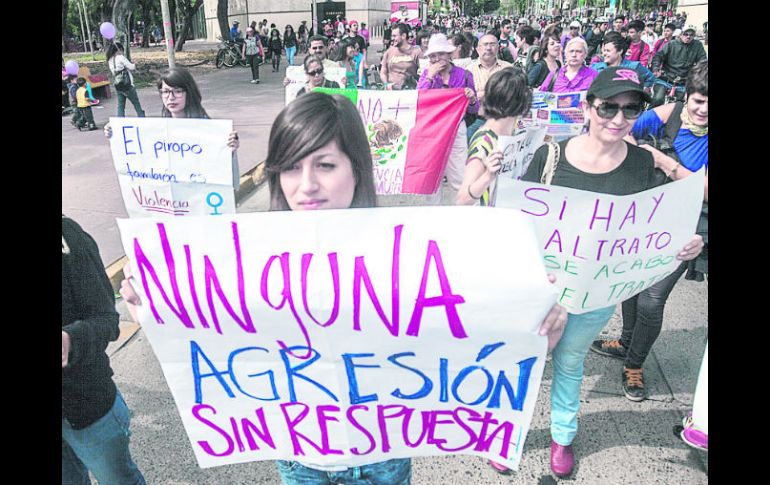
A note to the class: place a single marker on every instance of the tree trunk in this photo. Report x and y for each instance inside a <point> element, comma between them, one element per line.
<point>186,13</point>
<point>121,12</point>
<point>146,6</point>
<point>222,19</point>
<point>64,12</point>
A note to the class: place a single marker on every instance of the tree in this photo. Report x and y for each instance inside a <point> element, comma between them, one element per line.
<point>147,7</point>
<point>64,10</point>
<point>186,10</point>
<point>222,19</point>
<point>490,5</point>
<point>121,12</point>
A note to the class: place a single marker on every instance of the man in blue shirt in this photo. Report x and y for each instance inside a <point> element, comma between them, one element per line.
<point>235,34</point>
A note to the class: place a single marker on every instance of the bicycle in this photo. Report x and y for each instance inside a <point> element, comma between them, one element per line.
<point>675,90</point>
<point>229,54</point>
<point>302,45</point>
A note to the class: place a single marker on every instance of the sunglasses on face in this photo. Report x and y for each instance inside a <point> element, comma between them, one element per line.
<point>317,72</point>
<point>609,110</point>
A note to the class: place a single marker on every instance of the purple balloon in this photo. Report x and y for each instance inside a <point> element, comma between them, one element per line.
<point>72,68</point>
<point>107,30</point>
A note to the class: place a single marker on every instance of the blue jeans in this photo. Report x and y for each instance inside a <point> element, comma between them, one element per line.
<point>568,358</point>
<point>134,98</point>
<point>102,448</point>
<point>390,472</point>
<point>290,51</point>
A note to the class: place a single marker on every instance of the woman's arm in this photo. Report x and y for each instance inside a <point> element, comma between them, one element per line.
<point>480,171</point>
<point>127,64</point>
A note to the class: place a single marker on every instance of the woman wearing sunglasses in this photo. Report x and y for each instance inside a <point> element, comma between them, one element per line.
<point>678,155</point>
<point>598,161</point>
<point>314,70</point>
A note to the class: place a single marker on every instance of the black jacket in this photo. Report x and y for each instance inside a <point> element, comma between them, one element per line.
<point>88,315</point>
<point>677,58</point>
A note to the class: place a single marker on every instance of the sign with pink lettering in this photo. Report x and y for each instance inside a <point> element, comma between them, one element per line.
<point>346,337</point>
<point>174,167</point>
<point>604,249</point>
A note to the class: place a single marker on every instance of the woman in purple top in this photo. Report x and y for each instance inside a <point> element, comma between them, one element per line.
<point>574,75</point>
<point>441,73</point>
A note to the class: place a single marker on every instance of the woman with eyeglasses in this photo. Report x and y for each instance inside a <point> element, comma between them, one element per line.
<point>597,161</point>
<point>182,99</point>
<point>314,70</point>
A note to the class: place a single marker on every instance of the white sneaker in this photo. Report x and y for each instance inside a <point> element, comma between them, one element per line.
<point>254,81</point>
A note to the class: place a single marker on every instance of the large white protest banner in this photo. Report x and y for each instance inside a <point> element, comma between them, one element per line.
<point>297,79</point>
<point>176,167</point>
<point>604,249</point>
<point>345,337</point>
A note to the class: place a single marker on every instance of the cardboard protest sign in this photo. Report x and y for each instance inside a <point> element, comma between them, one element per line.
<point>410,134</point>
<point>604,249</point>
<point>172,166</point>
<point>345,337</point>
<point>519,149</point>
<point>298,79</point>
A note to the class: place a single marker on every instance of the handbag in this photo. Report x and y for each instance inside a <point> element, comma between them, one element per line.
<point>122,80</point>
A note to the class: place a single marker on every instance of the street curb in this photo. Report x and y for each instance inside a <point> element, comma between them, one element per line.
<point>251,180</point>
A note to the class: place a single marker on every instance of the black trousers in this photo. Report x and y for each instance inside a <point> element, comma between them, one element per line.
<point>643,318</point>
<point>276,59</point>
<point>253,61</point>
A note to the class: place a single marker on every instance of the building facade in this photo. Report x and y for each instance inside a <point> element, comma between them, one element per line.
<point>293,12</point>
<point>697,12</point>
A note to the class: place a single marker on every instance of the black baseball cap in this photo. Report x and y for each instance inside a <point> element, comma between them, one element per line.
<point>616,80</point>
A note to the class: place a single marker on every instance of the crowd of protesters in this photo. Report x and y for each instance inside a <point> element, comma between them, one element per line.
<point>617,61</point>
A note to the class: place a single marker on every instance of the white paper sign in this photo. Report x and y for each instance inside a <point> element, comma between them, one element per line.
<point>298,79</point>
<point>604,249</point>
<point>173,167</point>
<point>418,342</point>
<point>519,149</point>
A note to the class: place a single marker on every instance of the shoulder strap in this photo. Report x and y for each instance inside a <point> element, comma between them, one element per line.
<point>553,78</point>
<point>674,122</point>
<point>554,154</point>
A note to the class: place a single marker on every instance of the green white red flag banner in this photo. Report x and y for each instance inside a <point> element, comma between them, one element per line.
<point>410,134</point>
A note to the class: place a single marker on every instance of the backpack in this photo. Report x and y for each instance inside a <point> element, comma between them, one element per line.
<point>503,52</point>
<point>666,143</point>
